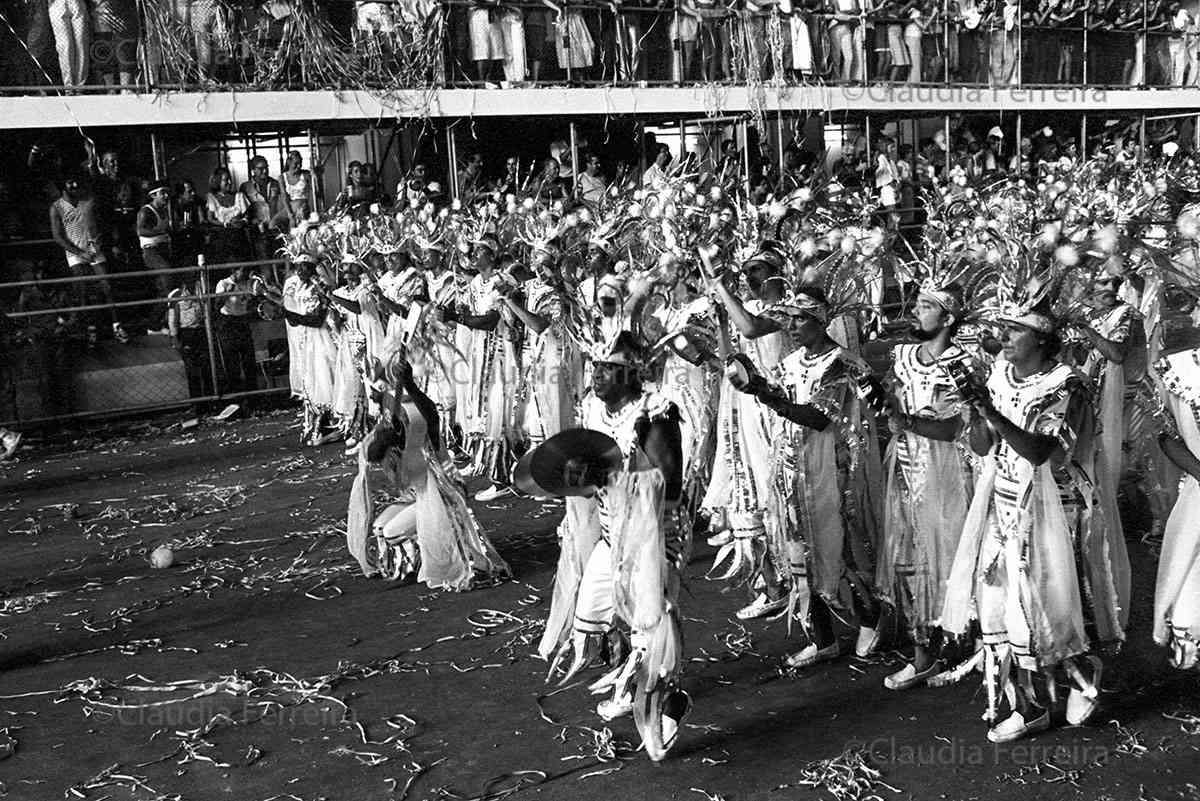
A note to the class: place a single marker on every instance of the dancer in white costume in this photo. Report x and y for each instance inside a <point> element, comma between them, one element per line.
<point>929,479</point>
<point>1034,516</point>
<point>553,368</point>
<point>737,493</point>
<point>490,426</point>
<point>690,375</point>
<point>431,532</point>
<point>318,352</point>
<point>623,549</point>
<point>1177,591</point>
<point>821,514</point>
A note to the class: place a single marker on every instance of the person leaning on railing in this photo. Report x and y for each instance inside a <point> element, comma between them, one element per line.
<point>185,319</point>
<point>227,215</point>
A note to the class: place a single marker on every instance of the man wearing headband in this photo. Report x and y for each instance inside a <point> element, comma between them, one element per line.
<point>154,235</point>
<point>488,422</point>
<point>1034,517</point>
<point>819,517</point>
<point>738,490</point>
<point>928,479</point>
<point>631,540</point>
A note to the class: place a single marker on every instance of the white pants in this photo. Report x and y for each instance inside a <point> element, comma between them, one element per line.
<point>594,604</point>
<point>72,34</point>
<point>512,27</point>
<point>397,522</point>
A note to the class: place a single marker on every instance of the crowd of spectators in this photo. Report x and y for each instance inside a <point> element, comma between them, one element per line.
<point>998,42</point>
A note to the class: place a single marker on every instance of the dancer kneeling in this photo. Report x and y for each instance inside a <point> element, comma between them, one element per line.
<point>432,533</point>
<point>623,545</point>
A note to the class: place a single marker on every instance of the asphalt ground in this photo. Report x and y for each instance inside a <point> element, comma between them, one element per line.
<point>260,666</point>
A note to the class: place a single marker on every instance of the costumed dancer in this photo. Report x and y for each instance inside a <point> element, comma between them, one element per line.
<point>431,533</point>
<point>1115,362</point>
<point>295,338</point>
<point>737,492</point>
<point>690,376</point>
<point>553,370</point>
<point>1177,591</point>
<point>821,506</point>
<point>318,353</point>
<point>349,391</point>
<point>623,549</point>
<point>489,421</point>
<point>1034,507</point>
<point>929,478</point>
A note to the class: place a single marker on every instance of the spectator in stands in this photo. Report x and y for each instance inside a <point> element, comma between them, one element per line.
<point>972,44</point>
<point>107,178</point>
<point>233,330</point>
<point>185,319</point>
<point>684,31</point>
<point>590,186</point>
<point>266,210</point>
<point>74,227</point>
<point>487,40</point>
<point>115,37</point>
<point>847,39</point>
<point>298,186</point>
<point>189,217</point>
<point>72,36</point>
<point>510,183</point>
<point>655,176</point>
<point>550,184</point>
<point>154,236</point>
<point>573,42</point>
<point>470,178</point>
<point>227,216</point>
<point>538,40</point>
<point>28,46</point>
<point>359,192</point>
<point>413,188</point>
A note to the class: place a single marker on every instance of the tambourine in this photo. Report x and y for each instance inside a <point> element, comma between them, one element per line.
<point>686,346</point>
<point>744,377</point>
<point>575,462</point>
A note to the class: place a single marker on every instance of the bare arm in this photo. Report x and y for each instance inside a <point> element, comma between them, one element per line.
<point>536,323</point>
<point>1036,448</point>
<point>800,413</point>
<point>662,445</point>
<point>1180,454</point>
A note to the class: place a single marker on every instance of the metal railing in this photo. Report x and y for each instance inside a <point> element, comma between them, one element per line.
<point>390,45</point>
<point>59,367</point>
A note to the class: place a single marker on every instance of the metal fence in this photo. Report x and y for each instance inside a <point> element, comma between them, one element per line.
<point>63,360</point>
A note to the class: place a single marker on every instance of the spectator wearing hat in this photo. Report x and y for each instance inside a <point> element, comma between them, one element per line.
<point>154,235</point>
